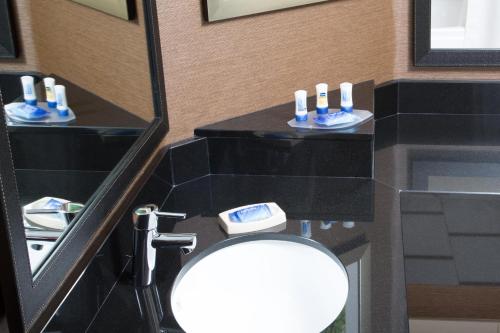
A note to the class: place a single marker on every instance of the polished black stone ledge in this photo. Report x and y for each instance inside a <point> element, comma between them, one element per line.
<point>271,123</point>
<point>437,97</point>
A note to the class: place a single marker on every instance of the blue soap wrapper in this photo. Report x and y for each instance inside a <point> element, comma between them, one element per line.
<point>336,118</point>
<point>251,214</point>
<point>53,204</point>
<point>29,112</point>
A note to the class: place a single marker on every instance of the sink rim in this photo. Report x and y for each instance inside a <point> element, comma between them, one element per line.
<point>249,238</point>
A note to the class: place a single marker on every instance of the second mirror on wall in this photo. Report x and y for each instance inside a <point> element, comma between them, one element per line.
<point>457,33</point>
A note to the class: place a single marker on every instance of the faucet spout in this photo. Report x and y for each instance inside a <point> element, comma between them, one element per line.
<point>186,242</point>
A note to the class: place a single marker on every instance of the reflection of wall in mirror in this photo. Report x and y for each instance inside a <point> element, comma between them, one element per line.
<point>99,52</point>
<point>469,24</point>
<point>223,9</point>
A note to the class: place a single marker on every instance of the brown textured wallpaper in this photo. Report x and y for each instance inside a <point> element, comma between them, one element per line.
<point>403,65</point>
<point>221,70</point>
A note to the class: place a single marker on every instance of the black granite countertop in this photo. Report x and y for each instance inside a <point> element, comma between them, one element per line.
<point>410,154</point>
<point>419,239</point>
<point>272,122</point>
<point>355,218</point>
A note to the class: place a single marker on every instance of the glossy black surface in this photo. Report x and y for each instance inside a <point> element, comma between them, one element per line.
<point>437,97</point>
<point>367,249</point>
<point>386,99</point>
<point>438,152</point>
<point>90,293</point>
<point>291,157</point>
<point>76,186</point>
<point>272,123</point>
<point>451,239</point>
<point>69,150</point>
<point>428,153</point>
<point>184,161</point>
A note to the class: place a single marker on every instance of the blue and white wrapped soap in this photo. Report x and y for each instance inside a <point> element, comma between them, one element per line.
<point>26,111</point>
<point>336,118</point>
<point>252,218</point>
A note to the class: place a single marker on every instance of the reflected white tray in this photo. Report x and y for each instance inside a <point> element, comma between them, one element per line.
<point>363,117</point>
<point>52,118</point>
<point>57,221</point>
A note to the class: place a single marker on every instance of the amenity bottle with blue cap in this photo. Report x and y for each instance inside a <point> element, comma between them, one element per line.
<point>50,92</point>
<point>29,91</point>
<point>346,103</point>
<point>62,102</point>
<point>301,105</point>
<point>322,98</point>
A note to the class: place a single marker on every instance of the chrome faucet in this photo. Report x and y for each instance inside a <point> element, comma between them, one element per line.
<point>147,240</point>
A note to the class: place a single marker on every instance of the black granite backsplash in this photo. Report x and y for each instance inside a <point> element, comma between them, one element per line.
<point>437,97</point>
<point>291,157</point>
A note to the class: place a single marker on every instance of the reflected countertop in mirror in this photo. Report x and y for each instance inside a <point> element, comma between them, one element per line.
<point>92,111</point>
<point>103,63</point>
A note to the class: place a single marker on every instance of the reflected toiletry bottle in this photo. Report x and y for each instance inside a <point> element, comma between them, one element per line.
<point>29,92</point>
<point>50,92</point>
<point>346,103</point>
<point>62,102</point>
<point>322,98</point>
<point>306,228</point>
<point>301,105</point>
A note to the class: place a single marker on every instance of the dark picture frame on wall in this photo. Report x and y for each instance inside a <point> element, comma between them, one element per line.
<point>425,56</point>
<point>8,48</point>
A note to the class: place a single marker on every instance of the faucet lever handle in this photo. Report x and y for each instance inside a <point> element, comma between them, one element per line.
<point>145,217</point>
<point>171,215</point>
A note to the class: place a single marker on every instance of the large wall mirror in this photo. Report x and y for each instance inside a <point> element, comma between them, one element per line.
<point>457,33</point>
<point>76,128</point>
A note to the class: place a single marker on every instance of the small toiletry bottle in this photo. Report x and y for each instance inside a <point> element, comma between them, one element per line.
<point>346,103</point>
<point>50,92</point>
<point>62,102</point>
<point>322,98</point>
<point>29,91</point>
<point>301,105</point>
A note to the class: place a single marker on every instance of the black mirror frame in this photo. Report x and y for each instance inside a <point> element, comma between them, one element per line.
<point>31,301</point>
<point>427,57</point>
<point>8,48</point>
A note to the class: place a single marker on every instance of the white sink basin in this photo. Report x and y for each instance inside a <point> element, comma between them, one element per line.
<point>260,283</point>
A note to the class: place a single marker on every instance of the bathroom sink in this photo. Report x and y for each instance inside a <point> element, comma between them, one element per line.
<point>260,283</point>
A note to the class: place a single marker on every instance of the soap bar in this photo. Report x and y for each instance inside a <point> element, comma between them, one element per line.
<point>251,214</point>
<point>25,111</point>
<point>336,118</point>
<point>252,218</point>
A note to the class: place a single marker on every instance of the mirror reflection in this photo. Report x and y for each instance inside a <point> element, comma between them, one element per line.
<point>74,114</point>
<point>465,24</point>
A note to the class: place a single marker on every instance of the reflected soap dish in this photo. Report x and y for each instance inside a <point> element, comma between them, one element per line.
<point>56,221</point>
<point>52,116</point>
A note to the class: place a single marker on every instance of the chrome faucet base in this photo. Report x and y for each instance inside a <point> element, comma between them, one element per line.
<point>147,240</point>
